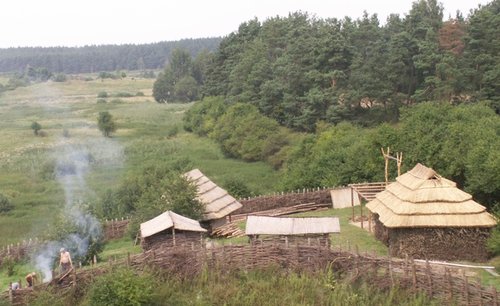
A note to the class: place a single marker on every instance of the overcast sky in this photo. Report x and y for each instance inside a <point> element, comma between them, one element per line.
<point>96,22</point>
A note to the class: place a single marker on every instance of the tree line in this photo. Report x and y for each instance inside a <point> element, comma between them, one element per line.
<point>300,69</point>
<point>89,59</point>
<point>459,142</point>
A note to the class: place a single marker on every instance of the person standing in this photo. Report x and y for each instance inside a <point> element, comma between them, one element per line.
<point>30,279</point>
<point>65,262</point>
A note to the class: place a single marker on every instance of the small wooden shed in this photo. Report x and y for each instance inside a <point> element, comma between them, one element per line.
<point>218,203</point>
<point>423,215</point>
<point>170,229</point>
<point>311,231</point>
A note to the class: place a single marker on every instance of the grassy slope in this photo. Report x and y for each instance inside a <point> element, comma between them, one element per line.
<point>142,133</point>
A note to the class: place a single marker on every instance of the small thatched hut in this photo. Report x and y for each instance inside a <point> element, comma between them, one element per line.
<point>170,229</point>
<point>218,203</point>
<point>311,231</point>
<point>424,215</point>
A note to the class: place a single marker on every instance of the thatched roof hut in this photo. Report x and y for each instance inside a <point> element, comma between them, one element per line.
<point>315,230</point>
<point>218,203</point>
<point>171,229</point>
<point>425,215</point>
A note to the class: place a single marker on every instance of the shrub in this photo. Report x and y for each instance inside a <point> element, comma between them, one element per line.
<point>5,204</point>
<point>65,133</point>
<point>173,131</point>
<point>117,101</point>
<point>122,287</point>
<point>9,265</point>
<point>60,77</point>
<point>101,101</point>
<point>102,94</point>
<point>139,94</point>
<point>35,126</point>
<point>237,188</point>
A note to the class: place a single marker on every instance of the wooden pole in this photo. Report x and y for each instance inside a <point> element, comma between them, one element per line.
<point>352,202</point>
<point>173,235</point>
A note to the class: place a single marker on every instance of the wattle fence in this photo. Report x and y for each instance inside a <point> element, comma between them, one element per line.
<point>450,284</point>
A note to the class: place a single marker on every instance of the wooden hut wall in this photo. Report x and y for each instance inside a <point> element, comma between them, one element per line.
<point>381,232</point>
<point>440,243</point>
<point>312,239</point>
<point>165,239</point>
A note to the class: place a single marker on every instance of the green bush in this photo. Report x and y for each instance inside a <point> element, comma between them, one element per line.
<point>101,101</point>
<point>173,131</point>
<point>121,287</point>
<point>237,188</point>
<point>5,204</point>
<point>116,101</point>
<point>9,265</point>
<point>139,94</point>
<point>102,94</point>
<point>60,77</point>
<point>47,298</point>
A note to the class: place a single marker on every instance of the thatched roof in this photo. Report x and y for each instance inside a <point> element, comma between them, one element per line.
<point>218,203</point>
<point>167,220</point>
<point>260,225</point>
<point>422,198</point>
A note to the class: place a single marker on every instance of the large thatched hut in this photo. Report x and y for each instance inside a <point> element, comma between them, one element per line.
<point>170,229</point>
<point>424,215</point>
<point>217,202</point>
<point>311,231</point>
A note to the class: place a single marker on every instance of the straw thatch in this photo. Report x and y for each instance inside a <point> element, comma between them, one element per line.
<point>424,215</point>
<point>422,198</point>
<point>167,220</point>
<point>170,229</point>
<point>261,225</point>
<point>218,203</point>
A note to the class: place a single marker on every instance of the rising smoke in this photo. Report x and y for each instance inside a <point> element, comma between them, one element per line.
<point>73,164</point>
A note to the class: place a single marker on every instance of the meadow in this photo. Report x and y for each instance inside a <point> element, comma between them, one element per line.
<point>147,132</point>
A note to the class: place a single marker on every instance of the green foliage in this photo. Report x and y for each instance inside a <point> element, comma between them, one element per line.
<point>47,298</point>
<point>202,117</point>
<point>177,83</point>
<point>102,94</point>
<point>173,131</point>
<point>237,188</point>
<point>101,101</point>
<point>83,239</point>
<point>5,204</point>
<point>244,133</point>
<point>106,123</point>
<point>139,94</point>
<point>122,287</point>
<point>36,127</point>
<point>9,264</point>
<point>60,77</point>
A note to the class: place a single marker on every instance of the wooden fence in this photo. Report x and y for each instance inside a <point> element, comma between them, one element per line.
<point>115,229</point>
<point>278,200</point>
<point>451,284</point>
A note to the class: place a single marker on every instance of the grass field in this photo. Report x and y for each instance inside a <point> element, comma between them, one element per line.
<point>143,137</point>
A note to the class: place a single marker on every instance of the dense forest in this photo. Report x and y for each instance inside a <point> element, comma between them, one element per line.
<point>300,69</point>
<point>100,58</point>
<point>346,82</point>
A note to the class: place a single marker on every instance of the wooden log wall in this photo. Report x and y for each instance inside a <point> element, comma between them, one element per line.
<point>267,202</point>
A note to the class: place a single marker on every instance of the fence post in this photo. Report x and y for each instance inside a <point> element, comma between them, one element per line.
<point>495,296</point>
<point>466,288</point>
<point>447,277</point>
<point>414,275</point>
<point>429,276</point>
<point>390,270</point>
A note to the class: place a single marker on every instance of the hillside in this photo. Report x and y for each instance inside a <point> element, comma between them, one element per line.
<point>147,133</point>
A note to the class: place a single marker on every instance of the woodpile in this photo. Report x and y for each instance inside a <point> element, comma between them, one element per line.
<point>261,203</point>
<point>440,243</point>
<point>228,230</point>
